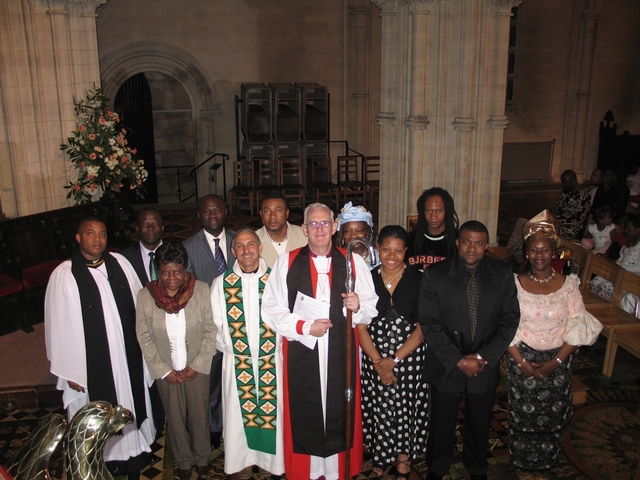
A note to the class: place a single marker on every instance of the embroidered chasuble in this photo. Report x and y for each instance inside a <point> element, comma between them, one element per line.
<point>256,384</point>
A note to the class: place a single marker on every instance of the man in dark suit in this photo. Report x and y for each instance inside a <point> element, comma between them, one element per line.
<point>209,253</point>
<point>202,246</point>
<point>469,314</point>
<point>150,229</point>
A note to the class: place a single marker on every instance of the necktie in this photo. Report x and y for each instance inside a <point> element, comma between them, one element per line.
<point>474,300</point>
<point>153,268</point>
<point>220,262</point>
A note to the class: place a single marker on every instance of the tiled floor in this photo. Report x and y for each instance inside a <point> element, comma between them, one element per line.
<point>602,441</point>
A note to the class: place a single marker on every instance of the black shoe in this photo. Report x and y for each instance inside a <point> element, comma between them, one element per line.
<point>479,477</point>
<point>216,439</point>
<point>203,472</point>
<point>184,474</point>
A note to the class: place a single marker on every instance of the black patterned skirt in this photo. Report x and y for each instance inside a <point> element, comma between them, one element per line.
<point>539,409</point>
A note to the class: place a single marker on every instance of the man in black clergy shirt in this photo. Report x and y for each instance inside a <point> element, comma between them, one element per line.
<point>469,314</point>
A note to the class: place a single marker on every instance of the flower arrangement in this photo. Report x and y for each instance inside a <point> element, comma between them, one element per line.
<point>99,151</point>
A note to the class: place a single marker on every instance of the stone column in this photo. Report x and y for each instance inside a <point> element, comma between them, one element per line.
<point>49,52</point>
<point>394,68</point>
<point>580,76</point>
<point>444,67</point>
<point>358,75</point>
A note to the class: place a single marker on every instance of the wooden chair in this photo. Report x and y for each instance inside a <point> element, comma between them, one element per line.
<point>371,169</point>
<point>291,184</point>
<point>579,256</point>
<point>613,318</point>
<point>349,182</point>
<point>242,194</point>
<point>629,283</point>
<point>627,325</point>
<point>627,339</point>
<point>602,267</point>
<point>268,177</point>
<point>321,183</point>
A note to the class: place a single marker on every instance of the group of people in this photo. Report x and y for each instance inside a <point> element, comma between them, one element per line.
<point>604,217</point>
<point>246,334</point>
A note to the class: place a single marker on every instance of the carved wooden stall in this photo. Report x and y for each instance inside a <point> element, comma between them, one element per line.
<point>31,247</point>
<point>619,152</point>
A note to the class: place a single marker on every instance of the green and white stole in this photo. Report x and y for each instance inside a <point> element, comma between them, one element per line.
<point>257,401</point>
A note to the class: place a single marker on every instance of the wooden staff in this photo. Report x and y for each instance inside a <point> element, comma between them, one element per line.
<point>348,391</point>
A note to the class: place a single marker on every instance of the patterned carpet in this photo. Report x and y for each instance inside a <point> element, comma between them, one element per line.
<point>601,443</point>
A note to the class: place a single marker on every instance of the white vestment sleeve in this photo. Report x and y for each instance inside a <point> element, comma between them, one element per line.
<point>275,303</point>
<point>366,294</point>
<point>64,330</point>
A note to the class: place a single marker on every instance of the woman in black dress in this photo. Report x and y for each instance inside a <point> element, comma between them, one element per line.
<point>394,394</point>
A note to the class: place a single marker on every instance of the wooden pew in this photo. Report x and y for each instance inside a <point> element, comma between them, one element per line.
<point>629,340</point>
<point>612,317</point>
<point>31,247</point>
<point>579,255</point>
<point>602,267</point>
<point>627,332</point>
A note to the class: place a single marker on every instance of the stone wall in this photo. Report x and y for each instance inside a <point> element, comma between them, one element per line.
<point>227,43</point>
<point>574,61</point>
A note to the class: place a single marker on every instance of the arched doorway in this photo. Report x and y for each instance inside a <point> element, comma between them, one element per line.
<point>185,104</point>
<point>134,105</point>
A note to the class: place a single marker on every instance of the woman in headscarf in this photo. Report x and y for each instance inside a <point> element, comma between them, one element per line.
<point>355,221</point>
<point>177,336</point>
<point>553,323</point>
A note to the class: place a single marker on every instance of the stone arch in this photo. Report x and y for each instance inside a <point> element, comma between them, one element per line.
<point>138,57</point>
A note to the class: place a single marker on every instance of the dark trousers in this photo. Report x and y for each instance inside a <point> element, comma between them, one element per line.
<point>215,394</point>
<point>186,407</point>
<point>442,430</point>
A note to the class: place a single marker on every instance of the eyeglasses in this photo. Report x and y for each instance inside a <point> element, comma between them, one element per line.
<point>323,224</point>
<point>354,231</point>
